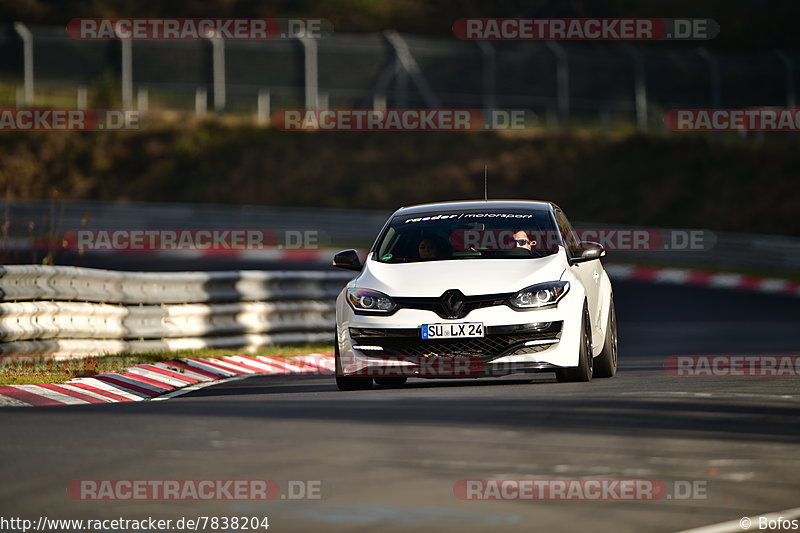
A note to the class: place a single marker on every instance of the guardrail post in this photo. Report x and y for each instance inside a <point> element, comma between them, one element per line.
<point>27,60</point>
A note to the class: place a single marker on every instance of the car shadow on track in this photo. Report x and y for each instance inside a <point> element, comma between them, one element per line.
<point>629,404</point>
<point>299,384</point>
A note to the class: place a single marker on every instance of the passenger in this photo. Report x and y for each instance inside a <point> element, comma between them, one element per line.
<point>428,249</point>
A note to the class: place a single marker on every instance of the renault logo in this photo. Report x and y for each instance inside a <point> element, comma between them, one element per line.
<point>453,303</point>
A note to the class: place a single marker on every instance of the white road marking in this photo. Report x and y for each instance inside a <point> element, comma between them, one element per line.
<point>709,395</point>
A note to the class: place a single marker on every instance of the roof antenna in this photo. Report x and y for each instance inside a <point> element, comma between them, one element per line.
<point>486,182</point>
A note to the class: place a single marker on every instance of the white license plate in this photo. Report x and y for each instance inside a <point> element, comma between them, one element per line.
<point>446,331</point>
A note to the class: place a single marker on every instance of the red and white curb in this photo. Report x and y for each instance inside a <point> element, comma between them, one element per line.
<point>162,379</point>
<point>719,280</point>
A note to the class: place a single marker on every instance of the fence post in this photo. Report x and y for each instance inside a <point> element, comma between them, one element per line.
<point>263,106</point>
<point>408,66</point>
<point>605,120</point>
<point>790,82</point>
<point>400,86</point>
<point>27,60</point>
<point>551,117</point>
<point>562,81</point>
<point>127,73</point>
<point>83,97</point>
<point>311,75</point>
<point>143,100</point>
<point>381,85</point>
<point>489,68</point>
<point>218,60</point>
<point>200,102</point>
<point>713,65</point>
<point>640,87</point>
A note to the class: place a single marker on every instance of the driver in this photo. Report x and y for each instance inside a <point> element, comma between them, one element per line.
<point>521,240</point>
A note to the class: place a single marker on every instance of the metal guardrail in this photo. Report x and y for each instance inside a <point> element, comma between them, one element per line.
<point>68,311</point>
<point>38,282</point>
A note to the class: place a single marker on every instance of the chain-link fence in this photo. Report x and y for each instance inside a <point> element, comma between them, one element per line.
<point>561,82</point>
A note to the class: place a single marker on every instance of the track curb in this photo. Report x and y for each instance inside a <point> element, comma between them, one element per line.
<point>151,381</point>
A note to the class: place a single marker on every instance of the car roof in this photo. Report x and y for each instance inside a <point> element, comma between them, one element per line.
<point>476,204</point>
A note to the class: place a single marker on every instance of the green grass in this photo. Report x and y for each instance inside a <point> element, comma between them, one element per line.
<point>52,371</point>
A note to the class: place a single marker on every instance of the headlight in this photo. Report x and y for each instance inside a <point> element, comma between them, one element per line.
<point>540,295</point>
<point>367,300</point>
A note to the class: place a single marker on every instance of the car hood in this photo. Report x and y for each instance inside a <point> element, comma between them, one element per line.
<point>470,276</point>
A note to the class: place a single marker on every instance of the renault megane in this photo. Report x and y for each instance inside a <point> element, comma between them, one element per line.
<point>472,289</point>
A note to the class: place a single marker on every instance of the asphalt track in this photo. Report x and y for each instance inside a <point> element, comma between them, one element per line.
<point>388,459</point>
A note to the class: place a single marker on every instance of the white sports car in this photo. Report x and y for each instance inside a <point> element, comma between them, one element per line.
<point>472,289</point>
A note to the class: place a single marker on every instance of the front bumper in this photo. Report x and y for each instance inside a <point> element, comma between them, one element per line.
<point>514,341</point>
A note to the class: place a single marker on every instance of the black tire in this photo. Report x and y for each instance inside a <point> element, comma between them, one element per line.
<point>582,372</point>
<point>391,381</point>
<point>348,382</point>
<point>605,364</point>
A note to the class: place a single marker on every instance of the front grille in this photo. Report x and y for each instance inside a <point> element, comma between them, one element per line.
<point>435,304</point>
<point>499,341</point>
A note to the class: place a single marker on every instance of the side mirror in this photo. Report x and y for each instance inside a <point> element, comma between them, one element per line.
<point>589,251</point>
<point>347,259</point>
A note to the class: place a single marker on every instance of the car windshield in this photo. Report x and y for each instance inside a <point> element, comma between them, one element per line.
<point>449,235</point>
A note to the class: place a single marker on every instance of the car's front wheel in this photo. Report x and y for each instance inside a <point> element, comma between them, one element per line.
<point>348,382</point>
<point>584,370</point>
<point>606,363</point>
